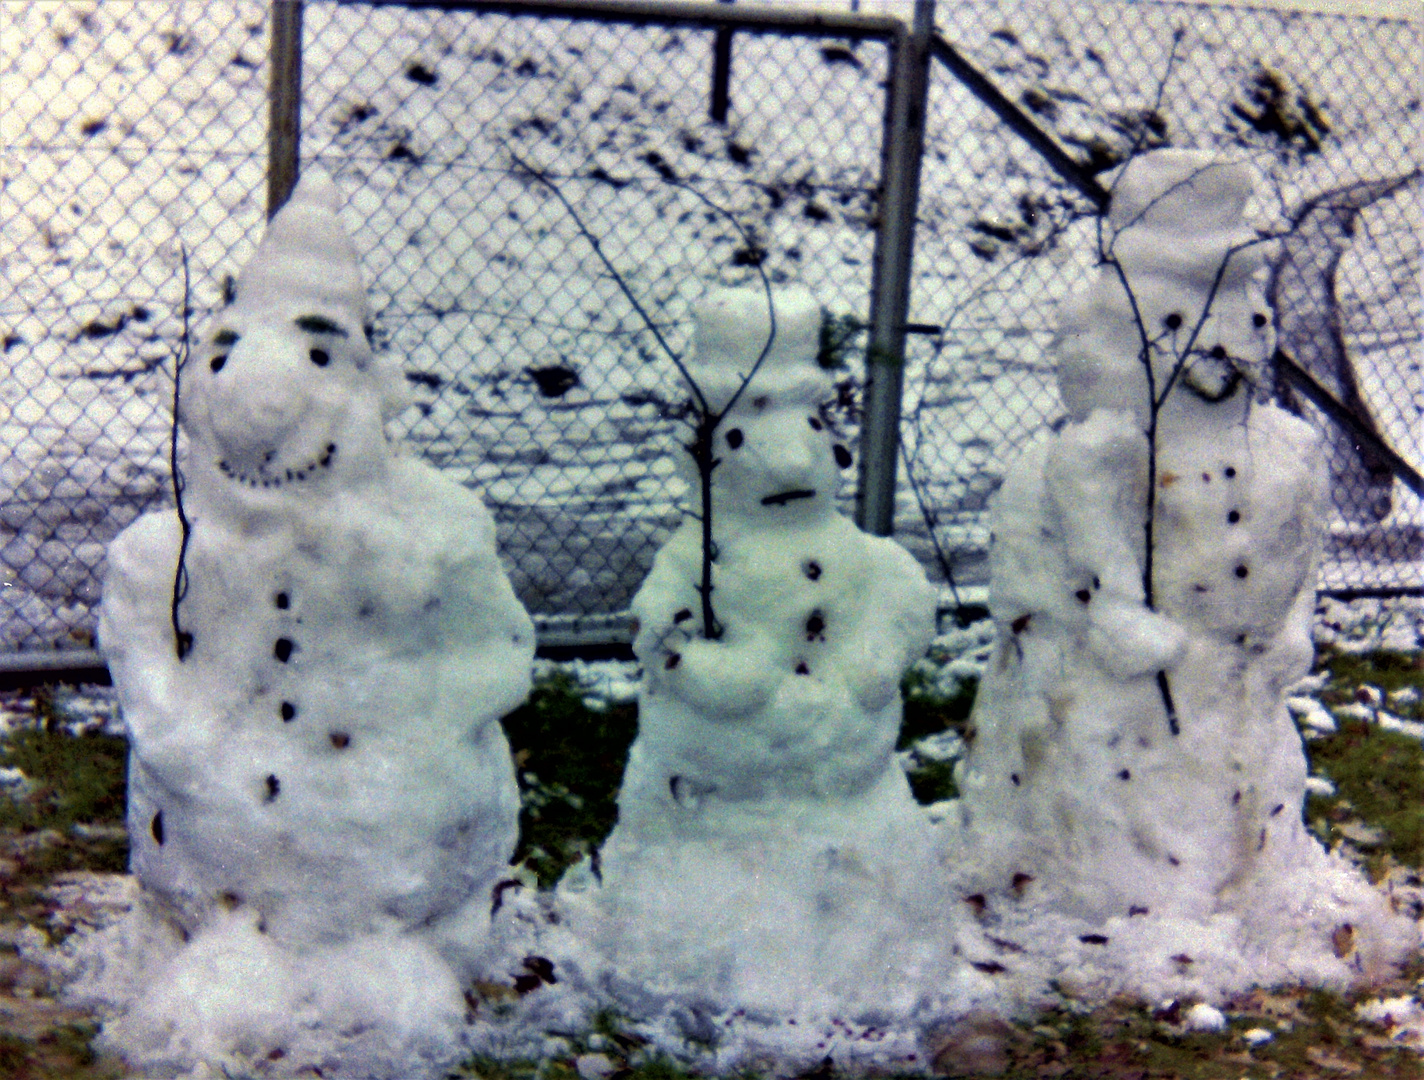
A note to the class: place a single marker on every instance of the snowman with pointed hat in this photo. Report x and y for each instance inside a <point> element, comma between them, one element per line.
<point>312,660</point>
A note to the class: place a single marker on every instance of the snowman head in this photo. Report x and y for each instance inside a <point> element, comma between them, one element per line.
<point>778,459</point>
<point>1187,277</point>
<point>284,394</point>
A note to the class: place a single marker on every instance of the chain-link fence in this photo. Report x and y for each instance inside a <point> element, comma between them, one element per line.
<point>128,129</point>
<point>132,129</point>
<point>1326,107</point>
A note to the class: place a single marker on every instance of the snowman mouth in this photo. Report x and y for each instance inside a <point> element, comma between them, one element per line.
<point>265,477</point>
<point>781,498</point>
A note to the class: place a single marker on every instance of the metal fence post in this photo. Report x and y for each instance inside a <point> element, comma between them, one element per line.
<point>902,147</point>
<point>284,103</point>
<point>721,73</point>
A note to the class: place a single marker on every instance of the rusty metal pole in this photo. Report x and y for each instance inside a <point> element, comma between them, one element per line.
<point>902,146</point>
<point>284,98</point>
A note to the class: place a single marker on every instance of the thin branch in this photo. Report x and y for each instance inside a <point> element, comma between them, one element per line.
<point>705,427</point>
<point>183,639</point>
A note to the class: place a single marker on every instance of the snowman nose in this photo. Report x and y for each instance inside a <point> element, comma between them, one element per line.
<point>256,393</point>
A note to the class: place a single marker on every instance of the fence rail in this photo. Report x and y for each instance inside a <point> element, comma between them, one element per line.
<point>850,144</point>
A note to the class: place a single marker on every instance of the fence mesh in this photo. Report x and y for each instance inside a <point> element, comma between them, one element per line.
<point>134,133</point>
<point>128,129</point>
<point>1327,110</point>
<point>539,382</point>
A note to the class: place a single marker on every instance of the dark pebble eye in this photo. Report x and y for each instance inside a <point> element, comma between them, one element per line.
<point>1015,778</point>
<point>682,615</point>
<point>1241,571</point>
<point>803,668</point>
<point>1233,516</point>
<point>734,438</point>
<point>1258,320</point>
<point>815,423</point>
<point>1083,596</point>
<point>1218,352</point>
<point>1229,472</point>
<point>289,712</point>
<point>156,828</point>
<point>320,357</point>
<point>672,660</point>
<point>843,458</point>
<point>1173,321</point>
<point>815,625</point>
<point>217,362</point>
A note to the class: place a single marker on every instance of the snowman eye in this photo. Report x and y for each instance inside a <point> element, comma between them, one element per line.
<point>734,438</point>
<point>225,337</point>
<point>217,362</point>
<point>320,357</point>
<point>816,424</point>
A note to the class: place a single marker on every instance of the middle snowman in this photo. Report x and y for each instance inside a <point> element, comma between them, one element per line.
<point>768,853</point>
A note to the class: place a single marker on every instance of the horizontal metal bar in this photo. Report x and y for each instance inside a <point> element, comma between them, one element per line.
<point>771,20</point>
<point>1305,383</point>
<point>1017,121</point>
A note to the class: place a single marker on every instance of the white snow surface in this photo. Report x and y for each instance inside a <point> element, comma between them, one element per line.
<point>322,804</point>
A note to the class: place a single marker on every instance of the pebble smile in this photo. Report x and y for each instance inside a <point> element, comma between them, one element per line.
<point>262,478</point>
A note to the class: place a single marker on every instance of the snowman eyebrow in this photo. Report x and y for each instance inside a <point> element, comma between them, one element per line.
<point>319,324</point>
<point>225,337</point>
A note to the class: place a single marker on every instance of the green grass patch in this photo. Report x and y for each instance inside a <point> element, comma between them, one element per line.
<point>569,760</point>
<point>1378,774</point>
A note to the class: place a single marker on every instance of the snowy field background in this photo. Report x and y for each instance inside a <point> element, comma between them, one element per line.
<point>132,128</point>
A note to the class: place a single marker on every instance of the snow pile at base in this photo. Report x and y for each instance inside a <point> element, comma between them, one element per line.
<point>1132,805</point>
<point>312,673</point>
<point>768,856</point>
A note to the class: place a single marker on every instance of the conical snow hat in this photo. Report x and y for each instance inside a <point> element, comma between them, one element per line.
<point>1181,211</point>
<point>306,253</point>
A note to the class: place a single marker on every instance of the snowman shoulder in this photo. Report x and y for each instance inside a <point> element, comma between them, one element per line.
<point>898,582</point>
<point>145,552</point>
<point>452,517</point>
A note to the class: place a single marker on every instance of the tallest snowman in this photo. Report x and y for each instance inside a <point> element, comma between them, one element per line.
<point>312,657</point>
<point>1153,575</point>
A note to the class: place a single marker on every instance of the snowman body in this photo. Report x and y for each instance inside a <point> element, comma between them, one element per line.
<point>768,853</point>
<point>312,663</point>
<point>1079,780</point>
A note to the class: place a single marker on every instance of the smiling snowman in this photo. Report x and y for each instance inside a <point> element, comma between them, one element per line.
<point>768,853</point>
<point>312,660</point>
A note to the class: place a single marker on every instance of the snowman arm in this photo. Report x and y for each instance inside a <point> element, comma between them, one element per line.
<point>896,626</point>
<point>1093,476</point>
<point>720,681</point>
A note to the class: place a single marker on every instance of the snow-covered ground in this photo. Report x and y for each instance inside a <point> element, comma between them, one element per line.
<point>130,129</point>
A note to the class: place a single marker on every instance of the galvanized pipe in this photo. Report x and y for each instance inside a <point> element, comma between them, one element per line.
<point>788,21</point>
<point>284,128</point>
<point>902,148</point>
